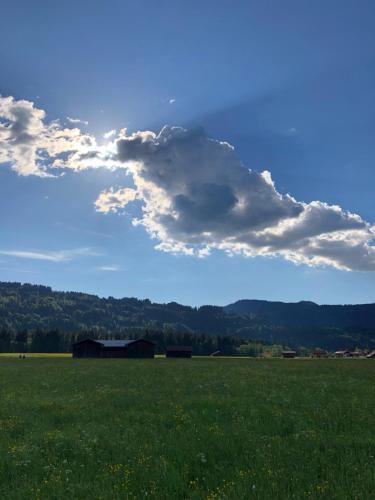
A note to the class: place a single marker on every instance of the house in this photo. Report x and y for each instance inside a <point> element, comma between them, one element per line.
<point>358,354</point>
<point>319,353</point>
<point>343,354</point>
<point>288,354</point>
<point>216,353</point>
<point>98,348</point>
<point>371,355</point>
<point>178,351</point>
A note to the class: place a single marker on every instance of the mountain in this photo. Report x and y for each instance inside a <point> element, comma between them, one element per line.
<point>25,306</point>
<point>306,314</point>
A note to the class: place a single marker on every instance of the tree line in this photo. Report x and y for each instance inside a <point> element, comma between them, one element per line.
<point>40,309</point>
<point>55,341</point>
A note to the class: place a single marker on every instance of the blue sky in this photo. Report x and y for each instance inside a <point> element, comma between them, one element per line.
<point>290,85</point>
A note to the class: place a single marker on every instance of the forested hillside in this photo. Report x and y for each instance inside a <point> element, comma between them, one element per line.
<point>32,307</point>
<point>307,314</point>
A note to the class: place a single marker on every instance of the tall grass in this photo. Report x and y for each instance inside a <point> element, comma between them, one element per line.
<point>197,429</point>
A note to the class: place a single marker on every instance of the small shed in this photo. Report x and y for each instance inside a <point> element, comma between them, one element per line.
<point>125,348</point>
<point>216,353</point>
<point>288,354</point>
<point>178,351</point>
<point>371,355</point>
<point>319,353</point>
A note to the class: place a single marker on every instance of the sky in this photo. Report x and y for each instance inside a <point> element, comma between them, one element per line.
<point>198,152</point>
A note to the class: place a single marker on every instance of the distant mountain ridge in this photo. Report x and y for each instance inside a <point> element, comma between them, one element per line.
<point>26,306</point>
<point>304,313</point>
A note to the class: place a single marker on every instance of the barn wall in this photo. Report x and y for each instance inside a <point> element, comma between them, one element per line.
<point>141,349</point>
<point>86,349</point>
<point>114,352</point>
<point>91,349</point>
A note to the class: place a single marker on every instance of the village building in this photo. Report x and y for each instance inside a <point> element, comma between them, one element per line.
<point>288,354</point>
<point>343,354</point>
<point>358,354</point>
<point>178,351</point>
<point>98,348</point>
<point>319,353</point>
<point>216,353</point>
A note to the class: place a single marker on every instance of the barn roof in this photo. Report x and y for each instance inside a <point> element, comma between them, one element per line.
<point>115,343</point>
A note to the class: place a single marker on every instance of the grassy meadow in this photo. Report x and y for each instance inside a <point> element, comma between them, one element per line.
<point>194,429</point>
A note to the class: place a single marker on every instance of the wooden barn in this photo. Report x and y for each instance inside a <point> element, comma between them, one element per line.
<point>90,348</point>
<point>178,351</point>
<point>288,354</point>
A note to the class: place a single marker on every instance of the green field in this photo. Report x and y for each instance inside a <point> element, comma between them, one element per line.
<point>200,429</point>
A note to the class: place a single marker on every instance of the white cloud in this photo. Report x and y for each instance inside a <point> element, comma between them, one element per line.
<point>172,100</point>
<point>111,269</point>
<point>109,134</point>
<point>113,200</point>
<point>20,126</point>
<point>291,131</point>
<point>195,193</point>
<point>51,256</point>
<point>77,120</point>
<point>33,147</point>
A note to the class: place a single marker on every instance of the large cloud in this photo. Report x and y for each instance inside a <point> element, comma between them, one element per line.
<point>196,194</point>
